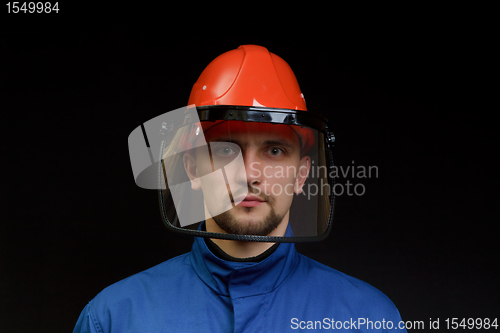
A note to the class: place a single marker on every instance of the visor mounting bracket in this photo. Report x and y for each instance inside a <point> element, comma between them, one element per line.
<point>331,138</point>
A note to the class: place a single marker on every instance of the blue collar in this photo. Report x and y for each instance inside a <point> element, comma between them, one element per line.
<point>242,279</point>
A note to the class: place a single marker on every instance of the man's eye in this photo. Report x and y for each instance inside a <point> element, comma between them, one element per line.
<point>224,151</point>
<point>275,151</point>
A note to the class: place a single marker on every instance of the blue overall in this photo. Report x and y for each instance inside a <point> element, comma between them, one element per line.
<point>198,292</point>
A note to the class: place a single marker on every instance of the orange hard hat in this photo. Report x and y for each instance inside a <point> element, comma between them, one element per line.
<point>251,76</point>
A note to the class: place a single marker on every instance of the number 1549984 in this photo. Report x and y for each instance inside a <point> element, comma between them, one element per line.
<point>32,7</point>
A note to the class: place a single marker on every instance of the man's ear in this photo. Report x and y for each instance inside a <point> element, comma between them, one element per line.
<point>190,166</point>
<point>304,168</point>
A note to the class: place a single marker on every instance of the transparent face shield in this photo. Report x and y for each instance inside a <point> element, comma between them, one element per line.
<point>241,173</point>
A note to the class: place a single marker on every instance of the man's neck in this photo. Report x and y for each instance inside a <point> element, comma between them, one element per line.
<point>242,249</point>
<point>217,251</point>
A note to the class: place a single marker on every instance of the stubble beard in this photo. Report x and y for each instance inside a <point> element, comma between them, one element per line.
<point>227,222</point>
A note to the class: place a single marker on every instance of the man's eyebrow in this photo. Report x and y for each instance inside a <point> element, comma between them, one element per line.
<point>223,139</point>
<point>278,142</point>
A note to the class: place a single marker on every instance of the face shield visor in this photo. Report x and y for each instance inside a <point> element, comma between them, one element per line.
<point>247,172</point>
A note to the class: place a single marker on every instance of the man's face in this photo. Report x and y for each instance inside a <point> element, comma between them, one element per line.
<point>261,187</point>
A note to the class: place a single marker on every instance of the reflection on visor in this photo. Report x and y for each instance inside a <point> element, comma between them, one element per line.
<point>145,141</point>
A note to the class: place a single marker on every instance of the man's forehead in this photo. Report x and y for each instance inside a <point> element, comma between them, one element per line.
<point>251,131</point>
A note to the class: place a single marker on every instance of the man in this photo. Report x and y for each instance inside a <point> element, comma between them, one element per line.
<point>244,168</point>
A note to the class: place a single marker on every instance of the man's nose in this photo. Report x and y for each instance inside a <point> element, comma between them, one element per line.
<point>253,168</point>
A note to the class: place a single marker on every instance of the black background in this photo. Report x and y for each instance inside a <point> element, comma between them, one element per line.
<point>406,93</point>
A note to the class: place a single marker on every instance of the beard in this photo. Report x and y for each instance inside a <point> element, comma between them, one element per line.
<point>264,227</point>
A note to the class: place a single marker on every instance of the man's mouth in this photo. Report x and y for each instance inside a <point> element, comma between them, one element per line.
<point>249,201</point>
